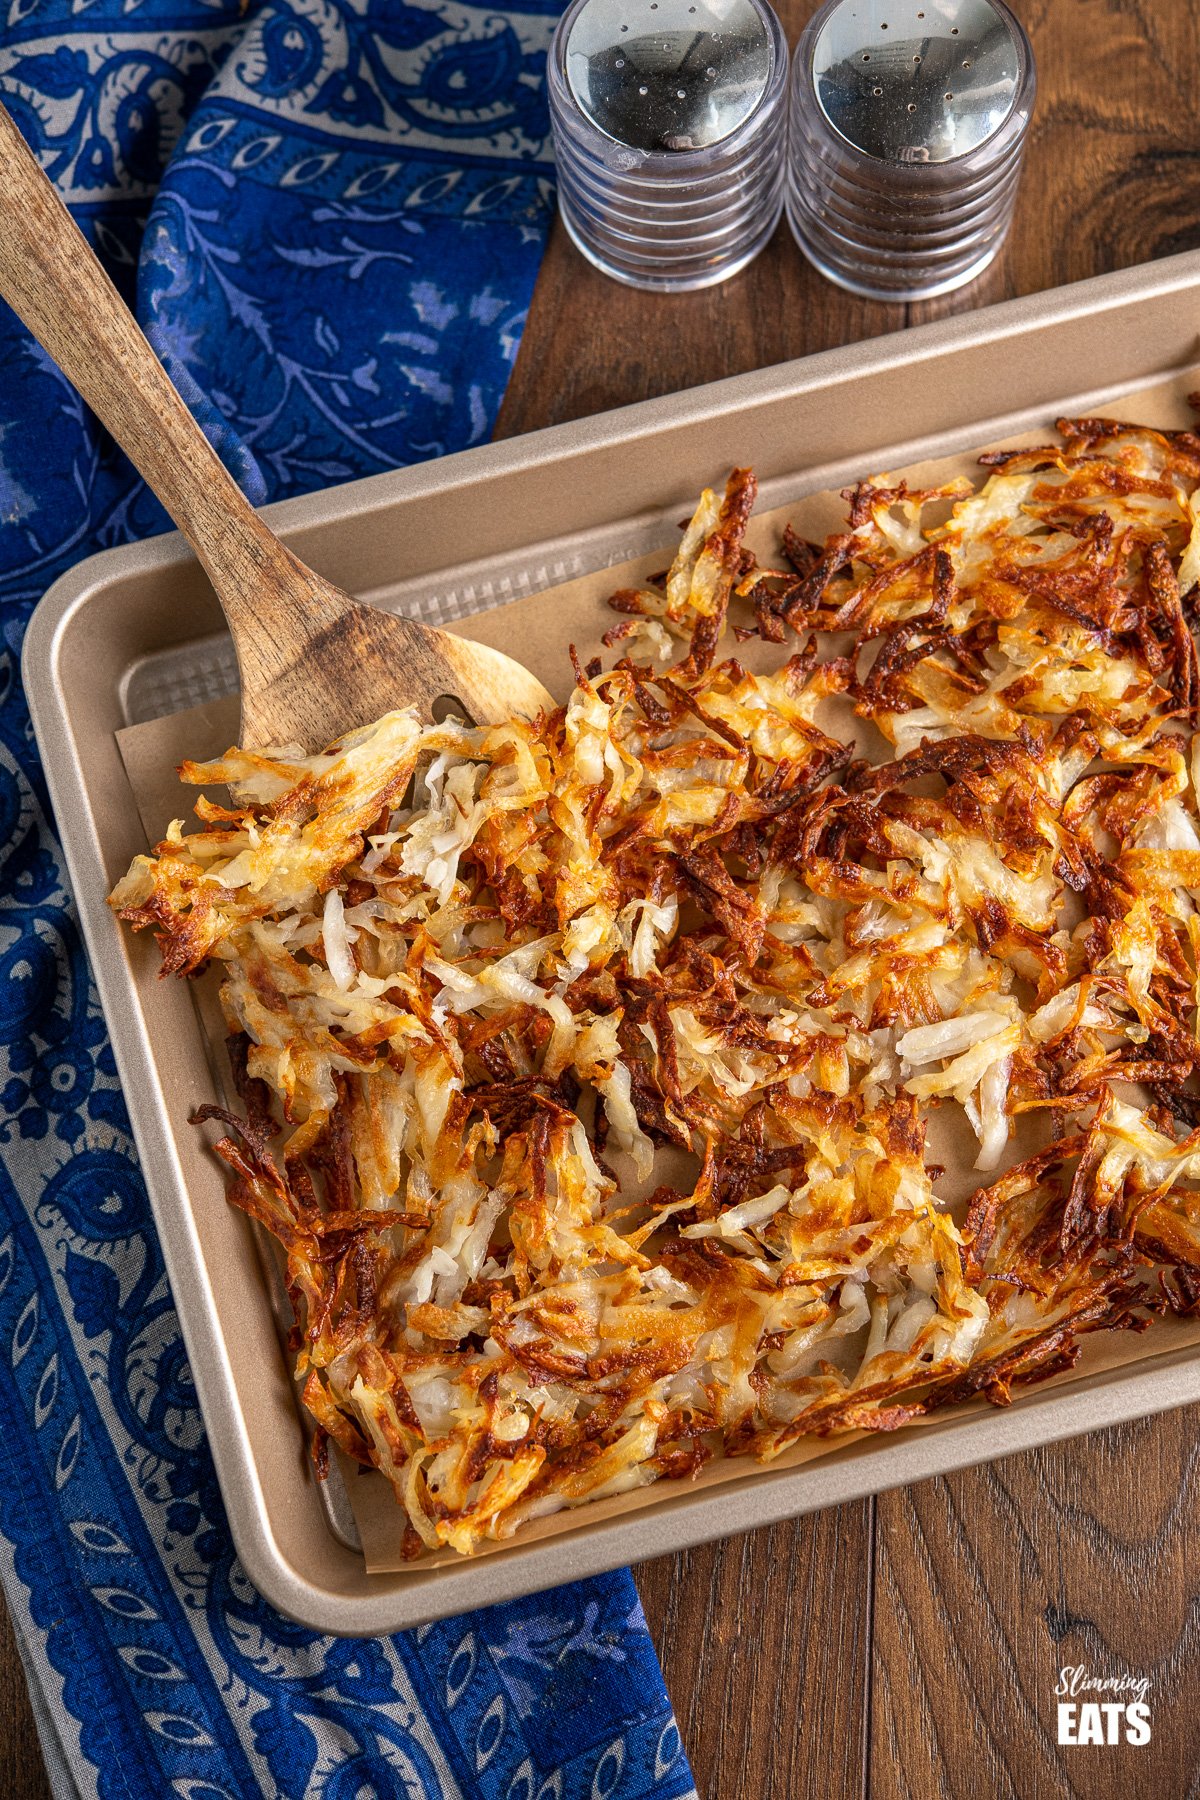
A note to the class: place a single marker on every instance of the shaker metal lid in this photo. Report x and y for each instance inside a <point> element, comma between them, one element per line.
<point>671,75</point>
<point>916,80</point>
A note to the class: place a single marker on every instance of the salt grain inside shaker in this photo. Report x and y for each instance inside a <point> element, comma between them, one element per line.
<point>669,120</point>
<point>908,123</point>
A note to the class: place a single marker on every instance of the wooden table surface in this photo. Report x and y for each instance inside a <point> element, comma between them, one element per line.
<point>907,1647</point>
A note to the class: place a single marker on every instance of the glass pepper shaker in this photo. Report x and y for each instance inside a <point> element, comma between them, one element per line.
<point>669,122</point>
<point>908,121</point>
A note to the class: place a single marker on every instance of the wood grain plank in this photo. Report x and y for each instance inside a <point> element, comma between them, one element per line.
<point>22,1773</point>
<point>990,1581</point>
<point>766,1644</point>
<point>592,344</point>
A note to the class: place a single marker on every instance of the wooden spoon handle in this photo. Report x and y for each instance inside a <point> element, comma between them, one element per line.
<point>57,288</point>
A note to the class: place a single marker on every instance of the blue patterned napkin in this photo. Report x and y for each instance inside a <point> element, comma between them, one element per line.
<point>329,214</point>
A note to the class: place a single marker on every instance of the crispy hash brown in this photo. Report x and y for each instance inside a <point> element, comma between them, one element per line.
<point>467,970</point>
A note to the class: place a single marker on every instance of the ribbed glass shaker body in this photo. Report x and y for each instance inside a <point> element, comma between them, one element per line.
<point>670,135</point>
<point>907,128</point>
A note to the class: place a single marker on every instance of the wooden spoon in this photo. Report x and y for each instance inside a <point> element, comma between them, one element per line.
<point>314,663</point>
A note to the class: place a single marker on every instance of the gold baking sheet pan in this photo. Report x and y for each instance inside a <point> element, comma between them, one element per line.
<point>546,626</point>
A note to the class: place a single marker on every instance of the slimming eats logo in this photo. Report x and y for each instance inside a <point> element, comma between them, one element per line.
<point>1121,1714</point>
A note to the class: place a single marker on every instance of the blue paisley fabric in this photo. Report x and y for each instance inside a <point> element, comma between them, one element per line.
<point>329,215</point>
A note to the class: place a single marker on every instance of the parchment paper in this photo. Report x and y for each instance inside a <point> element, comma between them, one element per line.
<point>539,629</point>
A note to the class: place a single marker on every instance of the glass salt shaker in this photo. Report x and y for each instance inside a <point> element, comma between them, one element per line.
<point>669,121</point>
<point>908,121</point>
